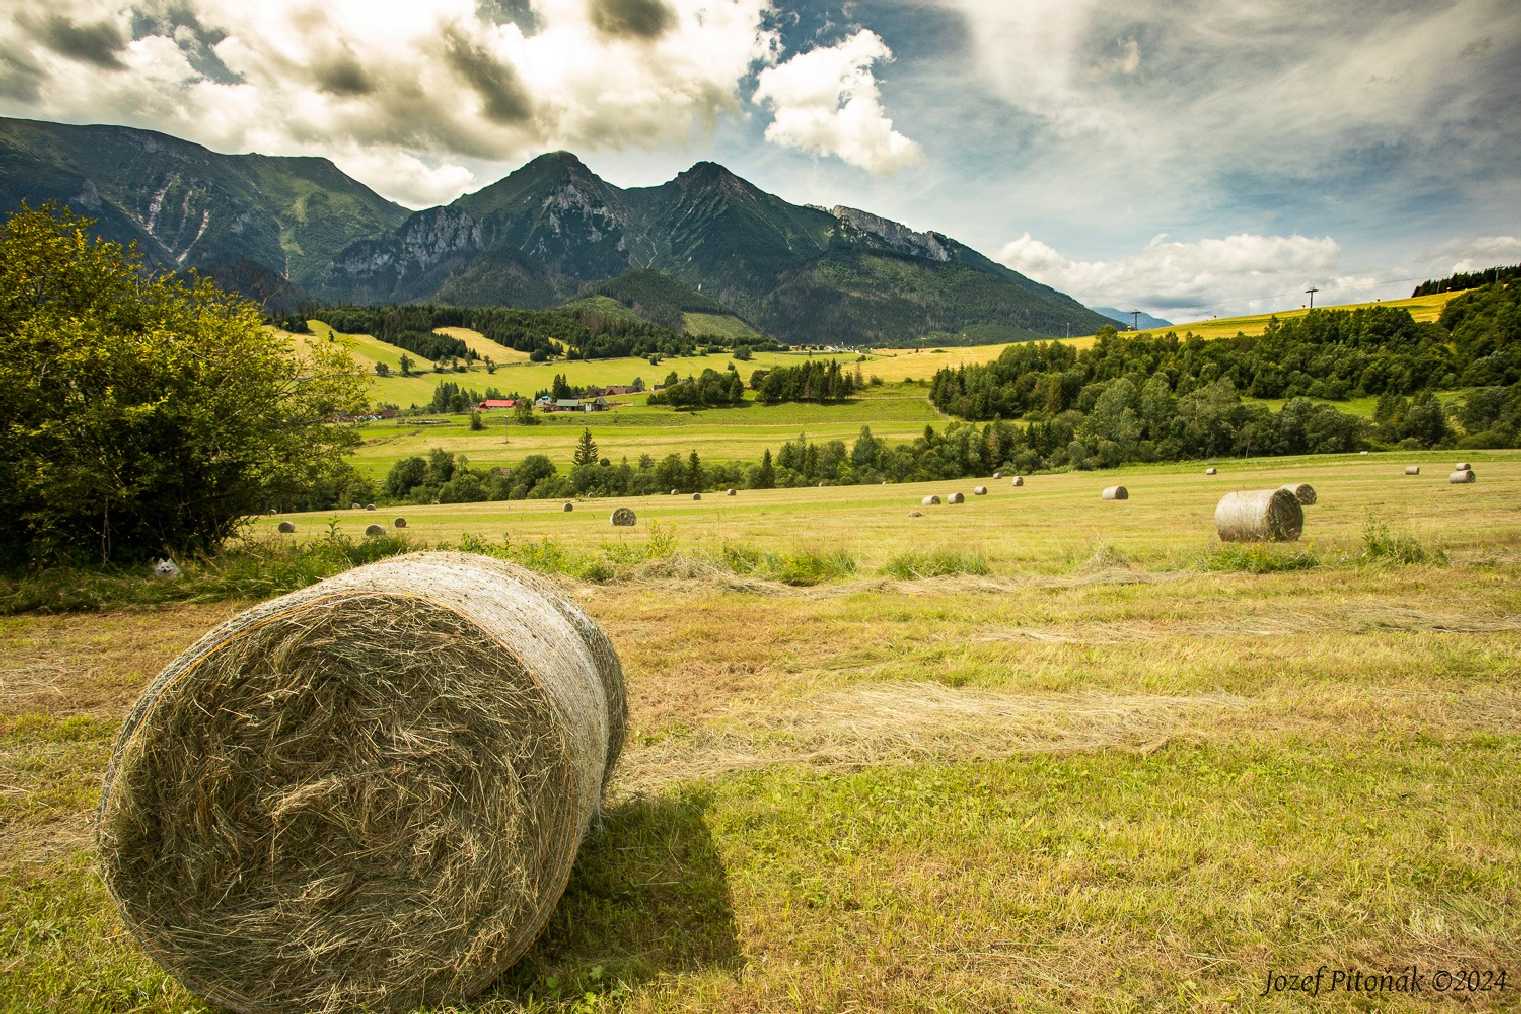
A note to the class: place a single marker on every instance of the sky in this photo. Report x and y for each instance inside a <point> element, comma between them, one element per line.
<point>1188,158</point>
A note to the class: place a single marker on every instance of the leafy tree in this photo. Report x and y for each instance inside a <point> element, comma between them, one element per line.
<point>406,475</point>
<point>407,362</point>
<point>147,414</point>
<point>522,413</point>
<point>475,421</point>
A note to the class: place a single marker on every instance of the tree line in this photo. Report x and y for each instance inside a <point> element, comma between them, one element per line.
<point>1461,280</point>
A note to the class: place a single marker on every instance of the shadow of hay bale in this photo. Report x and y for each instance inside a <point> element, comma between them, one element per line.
<point>648,897</point>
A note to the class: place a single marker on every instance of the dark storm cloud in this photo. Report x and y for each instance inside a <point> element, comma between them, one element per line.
<point>178,22</point>
<point>20,78</point>
<point>645,19</point>
<point>97,43</point>
<point>504,100</point>
<point>342,75</point>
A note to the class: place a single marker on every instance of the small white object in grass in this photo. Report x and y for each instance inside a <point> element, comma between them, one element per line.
<point>1018,480</point>
<point>979,491</point>
<point>166,568</point>
<point>731,492</point>
<point>1210,470</point>
<point>286,528</point>
<point>998,475</point>
<point>354,507</point>
<point>1412,469</point>
<point>1461,476</point>
<point>675,491</point>
<point>929,501</point>
<point>1362,452</point>
<point>1116,493</point>
<point>1462,466</point>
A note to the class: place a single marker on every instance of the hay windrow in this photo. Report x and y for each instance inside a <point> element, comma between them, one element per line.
<point>368,793</point>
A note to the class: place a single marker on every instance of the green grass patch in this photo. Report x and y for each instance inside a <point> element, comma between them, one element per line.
<point>1260,558</point>
<point>1381,544</point>
<point>915,564</point>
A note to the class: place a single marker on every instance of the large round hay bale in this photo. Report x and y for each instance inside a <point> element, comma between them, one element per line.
<point>623,518</point>
<point>1303,491</point>
<point>1412,469</point>
<point>374,531</point>
<point>929,501</point>
<point>1462,475</point>
<point>286,528</point>
<point>1259,515</point>
<point>369,506</point>
<point>979,491</point>
<point>400,522</point>
<point>731,492</point>
<point>567,507</point>
<point>1211,470</point>
<point>1462,466</point>
<point>366,794</point>
<point>956,498</point>
<point>1116,493</point>
<point>1018,480</point>
<point>696,496</point>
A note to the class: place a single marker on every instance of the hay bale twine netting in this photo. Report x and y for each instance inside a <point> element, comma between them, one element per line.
<point>365,794</point>
<point>623,518</point>
<point>1462,475</point>
<point>1303,491</point>
<point>1116,493</point>
<point>1259,515</point>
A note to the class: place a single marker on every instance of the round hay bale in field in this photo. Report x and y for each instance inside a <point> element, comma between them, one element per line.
<point>1412,469</point>
<point>956,498</point>
<point>998,475</point>
<point>623,518</point>
<point>1116,493</point>
<point>367,794</point>
<point>979,491</point>
<point>374,531</point>
<point>1303,491</point>
<point>1462,475</point>
<point>286,528</point>
<point>675,491</point>
<point>354,507</point>
<point>1362,452</point>
<point>568,507</point>
<point>1018,480</point>
<point>400,522</point>
<point>369,506</point>
<point>929,501</point>
<point>696,496</point>
<point>272,512</point>
<point>1462,466</point>
<point>1211,470</point>
<point>1259,515</point>
<point>731,492</point>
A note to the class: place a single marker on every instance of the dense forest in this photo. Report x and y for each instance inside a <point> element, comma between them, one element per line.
<point>816,380</point>
<point>711,390</point>
<point>578,333</point>
<point>657,297</point>
<point>1467,280</point>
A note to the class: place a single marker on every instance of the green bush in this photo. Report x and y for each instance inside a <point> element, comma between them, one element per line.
<point>935,563</point>
<point>1260,558</point>
<point>1381,545</point>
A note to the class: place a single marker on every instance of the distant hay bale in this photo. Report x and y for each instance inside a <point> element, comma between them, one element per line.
<point>998,475</point>
<point>1303,491</point>
<point>400,522</point>
<point>1116,493</point>
<point>568,507</point>
<point>956,498</point>
<point>354,507</point>
<point>369,506</point>
<point>1462,466</point>
<point>979,491</point>
<point>1259,515</point>
<point>623,518</point>
<point>1412,469</point>
<point>1211,470</point>
<point>731,492</point>
<point>675,491</point>
<point>696,496</point>
<point>286,528</point>
<point>929,501</point>
<point>1018,480</point>
<point>367,794</point>
<point>1462,475</point>
<point>374,531</point>
<point>915,514</point>
<point>272,512</point>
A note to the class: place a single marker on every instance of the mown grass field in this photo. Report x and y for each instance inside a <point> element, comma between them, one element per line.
<point>896,412</point>
<point>1103,766</point>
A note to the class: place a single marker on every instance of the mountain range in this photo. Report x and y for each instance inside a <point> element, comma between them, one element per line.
<point>1145,320</point>
<point>291,231</point>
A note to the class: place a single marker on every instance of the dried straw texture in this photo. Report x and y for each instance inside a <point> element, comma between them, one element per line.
<point>1116,493</point>
<point>1303,491</point>
<point>367,794</point>
<point>1462,475</point>
<point>1412,469</point>
<point>1259,515</point>
<point>623,518</point>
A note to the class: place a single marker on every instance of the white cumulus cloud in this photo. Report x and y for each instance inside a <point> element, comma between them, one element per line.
<point>826,102</point>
